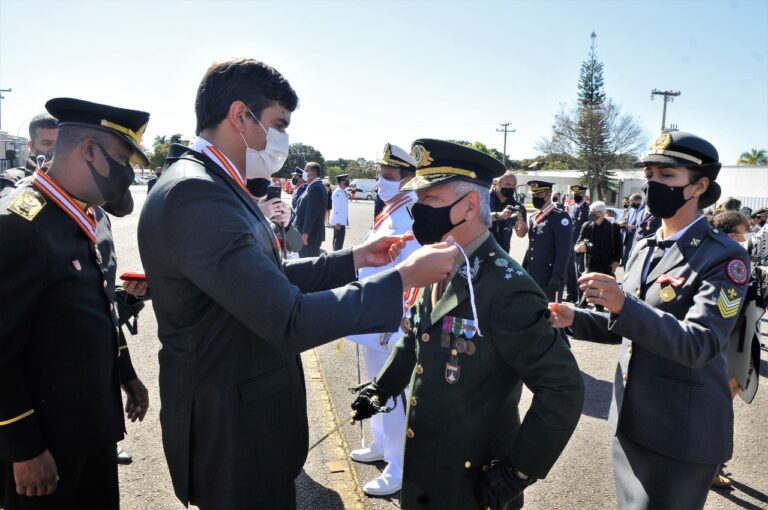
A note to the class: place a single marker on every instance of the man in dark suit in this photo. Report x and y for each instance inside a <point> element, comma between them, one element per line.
<point>60,348</point>
<point>578,211</point>
<point>232,316</point>
<point>151,183</point>
<point>311,211</point>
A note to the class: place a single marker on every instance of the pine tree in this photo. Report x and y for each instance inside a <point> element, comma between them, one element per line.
<point>591,93</point>
<point>595,132</point>
<point>592,128</point>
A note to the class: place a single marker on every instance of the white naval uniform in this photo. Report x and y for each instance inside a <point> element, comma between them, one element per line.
<point>340,209</point>
<point>387,429</point>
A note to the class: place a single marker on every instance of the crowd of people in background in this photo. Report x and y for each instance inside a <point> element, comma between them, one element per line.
<point>432,284</point>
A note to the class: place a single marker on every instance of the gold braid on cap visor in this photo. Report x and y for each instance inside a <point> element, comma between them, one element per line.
<point>674,154</point>
<point>133,135</point>
<point>446,170</point>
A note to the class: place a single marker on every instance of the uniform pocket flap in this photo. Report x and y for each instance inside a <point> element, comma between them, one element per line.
<point>264,385</point>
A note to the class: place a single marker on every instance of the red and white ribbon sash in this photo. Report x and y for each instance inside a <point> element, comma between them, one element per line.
<point>86,220</point>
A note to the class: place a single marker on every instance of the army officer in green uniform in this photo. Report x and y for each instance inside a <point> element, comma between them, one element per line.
<point>471,343</point>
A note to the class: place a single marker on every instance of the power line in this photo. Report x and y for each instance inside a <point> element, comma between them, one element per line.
<point>669,96</point>
<point>505,125</point>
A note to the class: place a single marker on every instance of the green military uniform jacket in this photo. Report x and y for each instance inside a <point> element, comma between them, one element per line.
<point>463,408</point>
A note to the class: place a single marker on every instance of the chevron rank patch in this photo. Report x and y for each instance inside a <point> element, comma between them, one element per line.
<point>728,302</point>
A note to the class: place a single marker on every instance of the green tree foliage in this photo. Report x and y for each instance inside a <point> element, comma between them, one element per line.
<point>299,155</point>
<point>754,157</point>
<point>361,168</point>
<point>160,149</point>
<point>594,133</point>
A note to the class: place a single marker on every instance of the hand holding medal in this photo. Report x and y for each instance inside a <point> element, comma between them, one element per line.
<point>602,289</point>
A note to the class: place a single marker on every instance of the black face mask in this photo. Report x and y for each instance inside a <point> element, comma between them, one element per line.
<point>257,187</point>
<point>664,201</point>
<point>592,216</point>
<point>508,192</point>
<point>114,186</point>
<point>634,206</point>
<point>578,199</point>
<point>538,202</point>
<point>430,224</point>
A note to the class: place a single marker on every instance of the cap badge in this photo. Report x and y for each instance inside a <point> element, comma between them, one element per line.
<point>662,142</point>
<point>421,156</point>
<point>387,152</point>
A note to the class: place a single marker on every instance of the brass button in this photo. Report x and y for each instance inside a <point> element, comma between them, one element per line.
<point>629,350</point>
<point>637,292</point>
<point>486,467</point>
<point>467,464</point>
<point>410,433</point>
<point>414,401</point>
<point>625,377</point>
<point>104,284</point>
<point>419,369</point>
<point>425,337</point>
<point>454,352</point>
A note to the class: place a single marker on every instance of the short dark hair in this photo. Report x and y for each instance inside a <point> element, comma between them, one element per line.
<point>731,204</point>
<point>241,79</point>
<point>316,167</point>
<point>41,121</point>
<point>70,136</point>
<point>727,221</point>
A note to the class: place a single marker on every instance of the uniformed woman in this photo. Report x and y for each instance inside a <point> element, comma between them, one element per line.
<point>682,291</point>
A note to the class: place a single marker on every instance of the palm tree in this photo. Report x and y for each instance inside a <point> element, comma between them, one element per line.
<point>754,157</point>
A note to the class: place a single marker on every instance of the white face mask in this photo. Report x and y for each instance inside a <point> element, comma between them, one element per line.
<point>262,164</point>
<point>305,175</point>
<point>388,189</point>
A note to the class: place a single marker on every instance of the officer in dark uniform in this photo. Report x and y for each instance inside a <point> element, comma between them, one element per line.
<point>671,414</point>
<point>59,336</point>
<point>579,214</point>
<point>42,137</point>
<point>467,356</point>
<point>550,241</point>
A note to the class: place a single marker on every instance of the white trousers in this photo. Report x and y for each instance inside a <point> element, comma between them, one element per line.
<point>388,429</point>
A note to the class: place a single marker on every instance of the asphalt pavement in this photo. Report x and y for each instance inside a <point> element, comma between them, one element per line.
<point>581,479</point>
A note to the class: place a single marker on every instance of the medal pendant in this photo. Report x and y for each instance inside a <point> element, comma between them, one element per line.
<point>445,340</point>
<point>461,345</point>
<point>667,293</point>
<point>471,348</point>
<point>452,372</point>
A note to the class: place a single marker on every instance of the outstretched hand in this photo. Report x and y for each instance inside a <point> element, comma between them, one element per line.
<point>561,315</point>
<point>602,289</point>
<point>381,251</point>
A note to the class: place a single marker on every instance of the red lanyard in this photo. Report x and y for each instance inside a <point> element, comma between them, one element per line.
<point>86,220</point>
<point>223,161</point>
<point>543,214</point>
<point>389,210</point>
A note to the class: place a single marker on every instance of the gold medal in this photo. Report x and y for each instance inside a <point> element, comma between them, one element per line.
<point>471,348</point>
<point>667,293</point>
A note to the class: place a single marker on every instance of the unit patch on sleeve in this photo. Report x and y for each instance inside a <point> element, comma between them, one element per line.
<point>736,271</point>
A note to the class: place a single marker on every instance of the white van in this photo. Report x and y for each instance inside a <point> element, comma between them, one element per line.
<point>366,188</point>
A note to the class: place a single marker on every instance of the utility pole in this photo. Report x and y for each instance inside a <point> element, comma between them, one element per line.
<point>505,125</point>
<point>669,96</point>
<point>1,104</point>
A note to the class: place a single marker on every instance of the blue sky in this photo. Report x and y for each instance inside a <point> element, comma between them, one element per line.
<point>373,72</point>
